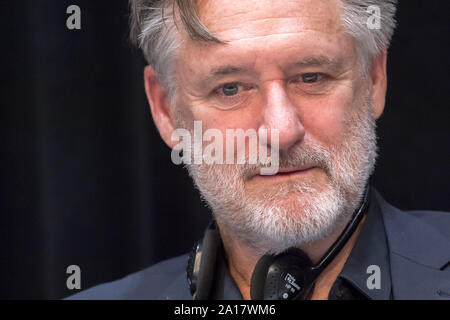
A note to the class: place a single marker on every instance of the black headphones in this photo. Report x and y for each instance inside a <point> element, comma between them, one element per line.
<point>289,275</point>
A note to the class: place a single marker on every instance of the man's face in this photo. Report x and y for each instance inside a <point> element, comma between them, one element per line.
<point>286,66</point>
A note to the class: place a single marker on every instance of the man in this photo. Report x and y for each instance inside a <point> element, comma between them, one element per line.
<point>312,75</point>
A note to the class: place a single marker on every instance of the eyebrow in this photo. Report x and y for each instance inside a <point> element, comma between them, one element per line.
<point>222,71</point>
<point>226,70</point>
<point>320,61</point>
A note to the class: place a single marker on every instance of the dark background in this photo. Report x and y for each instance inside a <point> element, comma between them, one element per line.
<point>86,180</point>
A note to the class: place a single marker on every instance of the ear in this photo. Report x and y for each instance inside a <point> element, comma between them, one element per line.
<point>378,83</point>
<point>159,105</point>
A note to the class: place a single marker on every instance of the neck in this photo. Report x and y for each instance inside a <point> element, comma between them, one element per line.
<point>242,259</point>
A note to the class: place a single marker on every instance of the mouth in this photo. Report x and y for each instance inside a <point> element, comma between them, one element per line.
<point>288,172</point>
<point>293,170</point>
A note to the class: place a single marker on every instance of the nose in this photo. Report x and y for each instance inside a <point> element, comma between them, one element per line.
<point>281,115</point>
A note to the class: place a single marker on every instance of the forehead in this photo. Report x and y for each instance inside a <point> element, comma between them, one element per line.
<point>237,19</point>
<point>266,33</point>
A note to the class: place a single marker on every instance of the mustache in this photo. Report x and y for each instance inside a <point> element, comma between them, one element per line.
<point>301,154</point>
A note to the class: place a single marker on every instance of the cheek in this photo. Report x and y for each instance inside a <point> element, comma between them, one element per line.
<point>324,118</point>
<point>244,118</point>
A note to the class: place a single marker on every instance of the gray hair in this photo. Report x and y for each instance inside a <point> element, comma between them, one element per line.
<point>153,23</point>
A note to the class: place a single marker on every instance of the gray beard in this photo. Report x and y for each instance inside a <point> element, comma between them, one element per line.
<point>294,213</point>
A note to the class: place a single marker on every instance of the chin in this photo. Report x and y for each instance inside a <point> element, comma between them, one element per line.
<point>290,216</point>
<point>289,194</point>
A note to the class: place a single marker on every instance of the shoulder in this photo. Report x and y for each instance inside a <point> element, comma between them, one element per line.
<point>418,244</point>
<point>164,280</point>
<point>422,236</point>
<point>414,221</point>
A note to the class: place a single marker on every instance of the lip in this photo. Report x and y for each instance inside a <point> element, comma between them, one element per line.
<point>290,171</point>
<point>294,169</point>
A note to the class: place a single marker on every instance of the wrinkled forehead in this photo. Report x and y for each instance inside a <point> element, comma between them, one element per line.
<point>238,20</point>
<point>267,37</point>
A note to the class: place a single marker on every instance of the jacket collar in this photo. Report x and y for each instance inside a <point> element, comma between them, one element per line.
<point>418,252</point>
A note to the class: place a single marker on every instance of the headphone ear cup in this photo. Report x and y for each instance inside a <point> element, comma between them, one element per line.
<point>258,281</point>
<point>284,276</point>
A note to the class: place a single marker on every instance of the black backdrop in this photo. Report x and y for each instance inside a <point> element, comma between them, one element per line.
<point>86,179</point>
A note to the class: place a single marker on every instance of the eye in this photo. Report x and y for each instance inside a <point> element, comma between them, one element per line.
<point>310,77</point>
<point>231,95</point>
<point>230,89</point>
